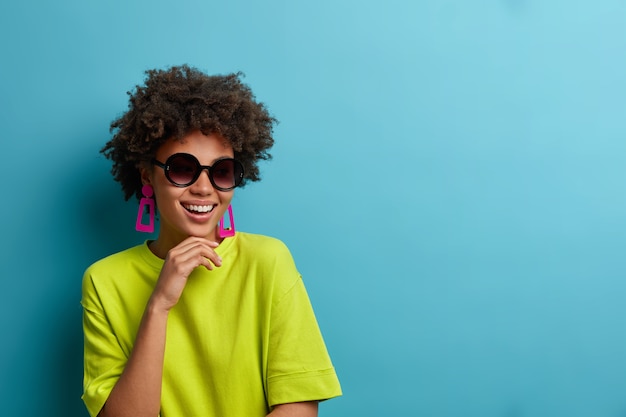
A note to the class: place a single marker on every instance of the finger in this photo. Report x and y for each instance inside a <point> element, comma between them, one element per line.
<point>201,252</point>
<point>192,242</point>
<point>194,253</point>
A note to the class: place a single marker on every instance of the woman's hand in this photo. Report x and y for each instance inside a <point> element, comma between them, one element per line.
<point>180,261</point>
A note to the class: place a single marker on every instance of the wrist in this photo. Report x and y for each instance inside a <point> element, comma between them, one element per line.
<point>156,307</point>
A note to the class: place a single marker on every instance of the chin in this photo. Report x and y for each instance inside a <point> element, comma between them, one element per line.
<point>210,234</point>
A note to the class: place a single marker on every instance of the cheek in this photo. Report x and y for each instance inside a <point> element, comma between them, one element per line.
<point>226,197</point>
<point>165,195</point>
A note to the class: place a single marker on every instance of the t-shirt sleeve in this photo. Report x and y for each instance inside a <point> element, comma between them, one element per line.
<point>299,367</point>
<point>103,356</point>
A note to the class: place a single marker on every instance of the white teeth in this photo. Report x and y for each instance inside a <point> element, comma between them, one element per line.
<point>199,209</point>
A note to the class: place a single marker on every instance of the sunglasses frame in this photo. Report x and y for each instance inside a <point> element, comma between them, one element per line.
<point>199,169</point>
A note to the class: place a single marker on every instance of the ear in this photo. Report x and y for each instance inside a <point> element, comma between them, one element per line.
<point>146,173</point>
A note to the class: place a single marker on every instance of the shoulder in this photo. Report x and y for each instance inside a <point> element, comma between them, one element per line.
<point>120,276</point>
<point>116,269</point>
<point>115,260</point>
<point>262,245</point>
<point>269,257</point>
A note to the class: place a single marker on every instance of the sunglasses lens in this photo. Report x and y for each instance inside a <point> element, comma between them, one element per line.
<point>182,169</point>
<point>227,173</point>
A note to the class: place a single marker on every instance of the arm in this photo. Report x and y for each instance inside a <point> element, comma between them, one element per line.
<point>137,392</point>
<point>303,409</point>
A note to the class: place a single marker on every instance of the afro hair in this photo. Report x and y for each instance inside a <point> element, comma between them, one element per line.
<point>177,101</point>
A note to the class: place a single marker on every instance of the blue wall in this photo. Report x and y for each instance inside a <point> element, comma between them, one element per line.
<point>449,175</point>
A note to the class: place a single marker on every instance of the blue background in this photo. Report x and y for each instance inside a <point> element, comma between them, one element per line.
<point>449,176</point>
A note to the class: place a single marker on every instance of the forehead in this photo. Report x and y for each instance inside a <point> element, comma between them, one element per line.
<point>206,148</point>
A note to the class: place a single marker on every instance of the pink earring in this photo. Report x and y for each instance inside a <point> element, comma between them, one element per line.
<point>147,200</point>
<point>227,231</point>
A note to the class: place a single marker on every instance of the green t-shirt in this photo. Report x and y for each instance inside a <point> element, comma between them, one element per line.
<point>241,339</point>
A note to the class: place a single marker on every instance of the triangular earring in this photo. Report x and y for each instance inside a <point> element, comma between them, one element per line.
<point>147,200</point>
<point>230,229</point>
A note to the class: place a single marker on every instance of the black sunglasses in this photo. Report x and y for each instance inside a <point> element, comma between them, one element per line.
<point>183,169</point>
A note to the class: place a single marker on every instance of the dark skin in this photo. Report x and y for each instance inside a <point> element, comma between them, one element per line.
<point>177,101</point>
<point>186,241</point>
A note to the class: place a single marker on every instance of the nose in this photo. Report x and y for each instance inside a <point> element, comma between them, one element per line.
<point>203,184</point>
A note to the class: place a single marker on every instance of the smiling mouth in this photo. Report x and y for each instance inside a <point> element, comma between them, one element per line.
<point>198,209</point>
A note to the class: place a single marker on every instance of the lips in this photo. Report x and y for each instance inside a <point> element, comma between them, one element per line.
<point>193,208</point>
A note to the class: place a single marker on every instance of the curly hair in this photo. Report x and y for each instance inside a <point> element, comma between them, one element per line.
<point>179,100</point>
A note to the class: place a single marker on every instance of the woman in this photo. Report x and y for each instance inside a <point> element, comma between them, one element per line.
<point>203,320</point>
